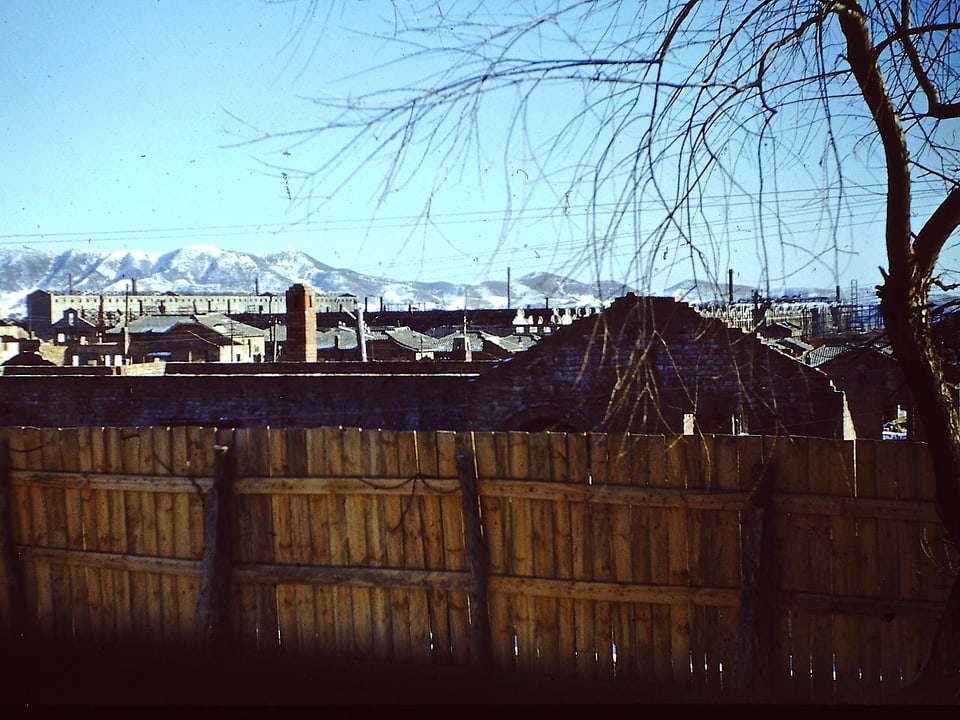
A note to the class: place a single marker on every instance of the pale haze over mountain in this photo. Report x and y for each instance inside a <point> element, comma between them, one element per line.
<point>206,269</point>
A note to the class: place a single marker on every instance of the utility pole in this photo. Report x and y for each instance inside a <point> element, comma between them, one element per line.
<point>361,341</point>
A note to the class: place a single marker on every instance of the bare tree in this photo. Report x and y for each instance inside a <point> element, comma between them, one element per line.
<point>686,102</point>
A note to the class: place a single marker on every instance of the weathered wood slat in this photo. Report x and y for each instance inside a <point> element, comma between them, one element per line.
<point>594,543</point>
<point>490,456</point>
<point>415,604</point>
<point>257,603</point>
<point>318,508</point>
<point>62,601</point>
<point>678,538</point>
<point>452,517</point>
<point>807,503</point>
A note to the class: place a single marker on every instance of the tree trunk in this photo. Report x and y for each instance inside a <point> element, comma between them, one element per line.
<point>904,307</point>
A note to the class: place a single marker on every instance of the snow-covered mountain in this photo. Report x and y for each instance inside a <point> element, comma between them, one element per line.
<point>206,269</point>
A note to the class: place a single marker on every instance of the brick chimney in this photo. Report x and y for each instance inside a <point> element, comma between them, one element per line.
<point>301,344</point>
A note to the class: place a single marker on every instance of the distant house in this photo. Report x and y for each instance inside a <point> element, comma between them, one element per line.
<point>339,343</point>
<point>73,328</point>
<point>477,345</point>
<point>876,391</point>
<point>27,355</point>
<point>654,365</point>
<point>211,337</point>
<point>398,343</point>
<point>107,354</point>
<point>11,339</point>
<point>645,365</point>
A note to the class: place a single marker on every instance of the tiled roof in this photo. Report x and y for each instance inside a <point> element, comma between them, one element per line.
<point>218,322</point>
<point>411,339</point>
<point>327,339</point>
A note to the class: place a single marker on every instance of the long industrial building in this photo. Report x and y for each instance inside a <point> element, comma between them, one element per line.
<point>110,309</point>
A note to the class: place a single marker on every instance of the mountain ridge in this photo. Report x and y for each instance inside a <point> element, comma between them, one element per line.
<point>208,269</point>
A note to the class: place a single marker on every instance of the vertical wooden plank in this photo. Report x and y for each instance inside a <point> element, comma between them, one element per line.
<point>131,527</point>
<point>567,465</point>
<point>518,470</point>
<point>74,460</point>
<point>659,561</point>
<point>262,531</point>
<point>678,534</point>
<point>637,658</point>
<point>868,572</point>
<point>890,471</point>
<point>56,444</point>
<point>100,538</point>
<point>454,546</point>
<point>735,458</point>
<point>745,554</point>
<point>543,542</point>
<point>622,470</point>
<point>339,543</point>
<point>224,441</point>
<point>201,442</point>
<point>13,588</point>
<point>600,520</point>
<point>23,531</point>
<point>392,528</point>
<point>149,541</point>
<point>846,580</point>
<point>787,532</point>
<point>180,466</point>
<point>373,465</point>
<point>86,513</point>
<point>581,561</point>
<point>933,580</point>
<point>163,509</point>
<point>433,548</point>
<point>355,509</point>
<point>319,516</point>
<point>825,457</point>
<point>116,527</point>
<point>912,560</point>
<point>705,558</point>
<point>39,571</point>
<point>491,460</point>
<point>247,536</point>
<point>282,541</point>
<point>301,551</point>
<point>414,602</point>
<point>211,625</point>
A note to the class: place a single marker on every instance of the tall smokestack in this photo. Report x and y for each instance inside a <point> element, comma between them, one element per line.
<point>730,286</point>
<point>508,288</point>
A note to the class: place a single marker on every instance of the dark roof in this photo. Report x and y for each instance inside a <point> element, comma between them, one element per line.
<point>218,322</point>
<point>72,319</point>
<point>27,358</point>
<point>825,353</point>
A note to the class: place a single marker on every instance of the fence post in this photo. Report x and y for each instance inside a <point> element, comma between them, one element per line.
<point>750,669</point>
<point>480,645</point>
<point>211,621</point>
<point>14,624</point>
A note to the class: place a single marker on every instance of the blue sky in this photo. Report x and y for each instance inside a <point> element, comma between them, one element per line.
<point>126,126</point>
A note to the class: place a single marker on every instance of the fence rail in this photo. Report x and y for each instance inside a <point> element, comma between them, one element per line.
<point>619,557</point>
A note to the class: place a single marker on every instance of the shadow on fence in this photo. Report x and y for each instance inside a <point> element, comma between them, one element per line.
<point>795,569</point>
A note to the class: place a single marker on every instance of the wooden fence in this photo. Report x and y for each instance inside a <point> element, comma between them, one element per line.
<point>638,559</point>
